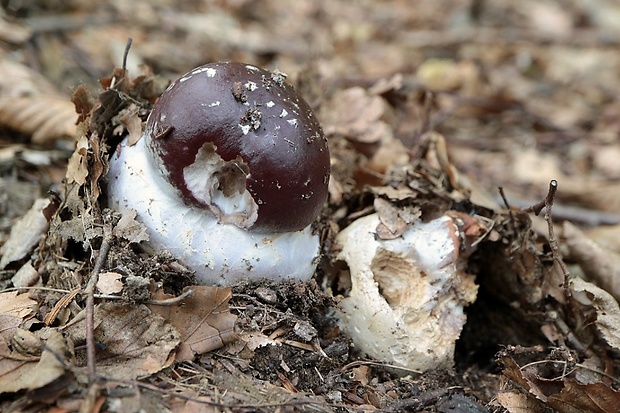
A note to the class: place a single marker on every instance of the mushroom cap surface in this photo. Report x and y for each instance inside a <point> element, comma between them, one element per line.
<point>257,123</point>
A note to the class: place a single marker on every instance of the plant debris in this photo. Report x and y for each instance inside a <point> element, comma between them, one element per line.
<point>428,108</point>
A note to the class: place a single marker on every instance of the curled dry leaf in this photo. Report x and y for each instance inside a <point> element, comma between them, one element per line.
<point>204,321</point>
<point>77,168</point>
<point>606,307</point>
<point>26,276</point>
<point>44,118</point>
<point>599,264</point>
<point>26,234</point>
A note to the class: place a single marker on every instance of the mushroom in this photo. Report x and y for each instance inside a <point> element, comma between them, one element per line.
<point>407,297</point>
<point>229,175</point>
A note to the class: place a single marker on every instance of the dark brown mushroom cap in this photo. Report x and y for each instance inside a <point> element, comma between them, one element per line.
<point>254,114</point>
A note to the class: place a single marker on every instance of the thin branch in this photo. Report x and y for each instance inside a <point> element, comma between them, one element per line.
<point>90,301</point>
<point>553,242</point>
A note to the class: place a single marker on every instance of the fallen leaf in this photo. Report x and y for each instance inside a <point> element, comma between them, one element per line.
<point>44,118</point>
<point>136,341</point>
<point>516,402</point>
<point>204,321</point>
<point>607,309</point>
<point>25,234</point>
<point>17,375</point>
<point>593,398</point>
<point>600,265</point>
<point>109,283</point>
<point>130,229</point>
<point>356,115</point>
<point>77,168</point>
<point>133,123</point>
<point>14,305</point>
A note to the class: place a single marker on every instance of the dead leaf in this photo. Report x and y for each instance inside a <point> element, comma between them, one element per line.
<point>600,265</point>
<point>109,283</point>
<point>607,236</point>
<point>77,168</point>
<point>446,74</point>
<point>137,342</point>
<point>593,398</point>
<point>14,305</point>
<point>392,225</point>
<point>516,402</point>
<point>26,276</point>
<point>356,115</point>
<point>44,118</point>
<point>19,80</point>
<point>25,234</point>
<point>130,229</point>
<point>17,375</point>
<point>133,123</point>
<point>204,321</point>
<point>607,309</point>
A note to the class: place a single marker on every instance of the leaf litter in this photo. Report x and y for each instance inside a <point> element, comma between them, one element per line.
<point>401,148</point>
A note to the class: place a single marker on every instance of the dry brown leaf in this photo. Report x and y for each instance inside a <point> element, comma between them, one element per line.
<point>130,229</point>
<point>26,276</point>
<point>44,118</point>
<point>392,224</point>
<point>607,236</point>
<point>77,168</point>
<point>607,309</point>
<point>600,196</point>
<point>356,114</point>
<point>14,305</point>
<point>16,375</point>
<point>109,283</point>
<point>137,342</point>
<point>593,398</point>
<point>25,234</point>
<point>600,265</point>
<point>18,80</point>
<point>133,123</point>
<point>204,321</point>
<point>516,402</point>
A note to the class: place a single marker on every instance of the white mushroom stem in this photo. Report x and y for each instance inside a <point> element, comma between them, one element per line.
<point>407,294</point>
<point>220,254</point>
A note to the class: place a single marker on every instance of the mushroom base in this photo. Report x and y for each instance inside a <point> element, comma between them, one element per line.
<point>219,254</point>
<point>407,294</point>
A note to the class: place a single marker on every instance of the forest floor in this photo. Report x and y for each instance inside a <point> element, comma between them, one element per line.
<point>429,109</point>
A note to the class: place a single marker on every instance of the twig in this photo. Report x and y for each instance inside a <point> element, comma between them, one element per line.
<point>553,242</point>
<point>90,301</point>
<point>377,364</point>
<point>577,365</point>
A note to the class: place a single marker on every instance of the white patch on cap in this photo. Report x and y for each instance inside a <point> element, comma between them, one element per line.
<point>284,113</point>
<point>245,128</point>
<point>250,67</point>
<point>292,122</point>
<point>204,178</point>
<point>251,86</point>
<point>270,104</point>
<point>216,103</point>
